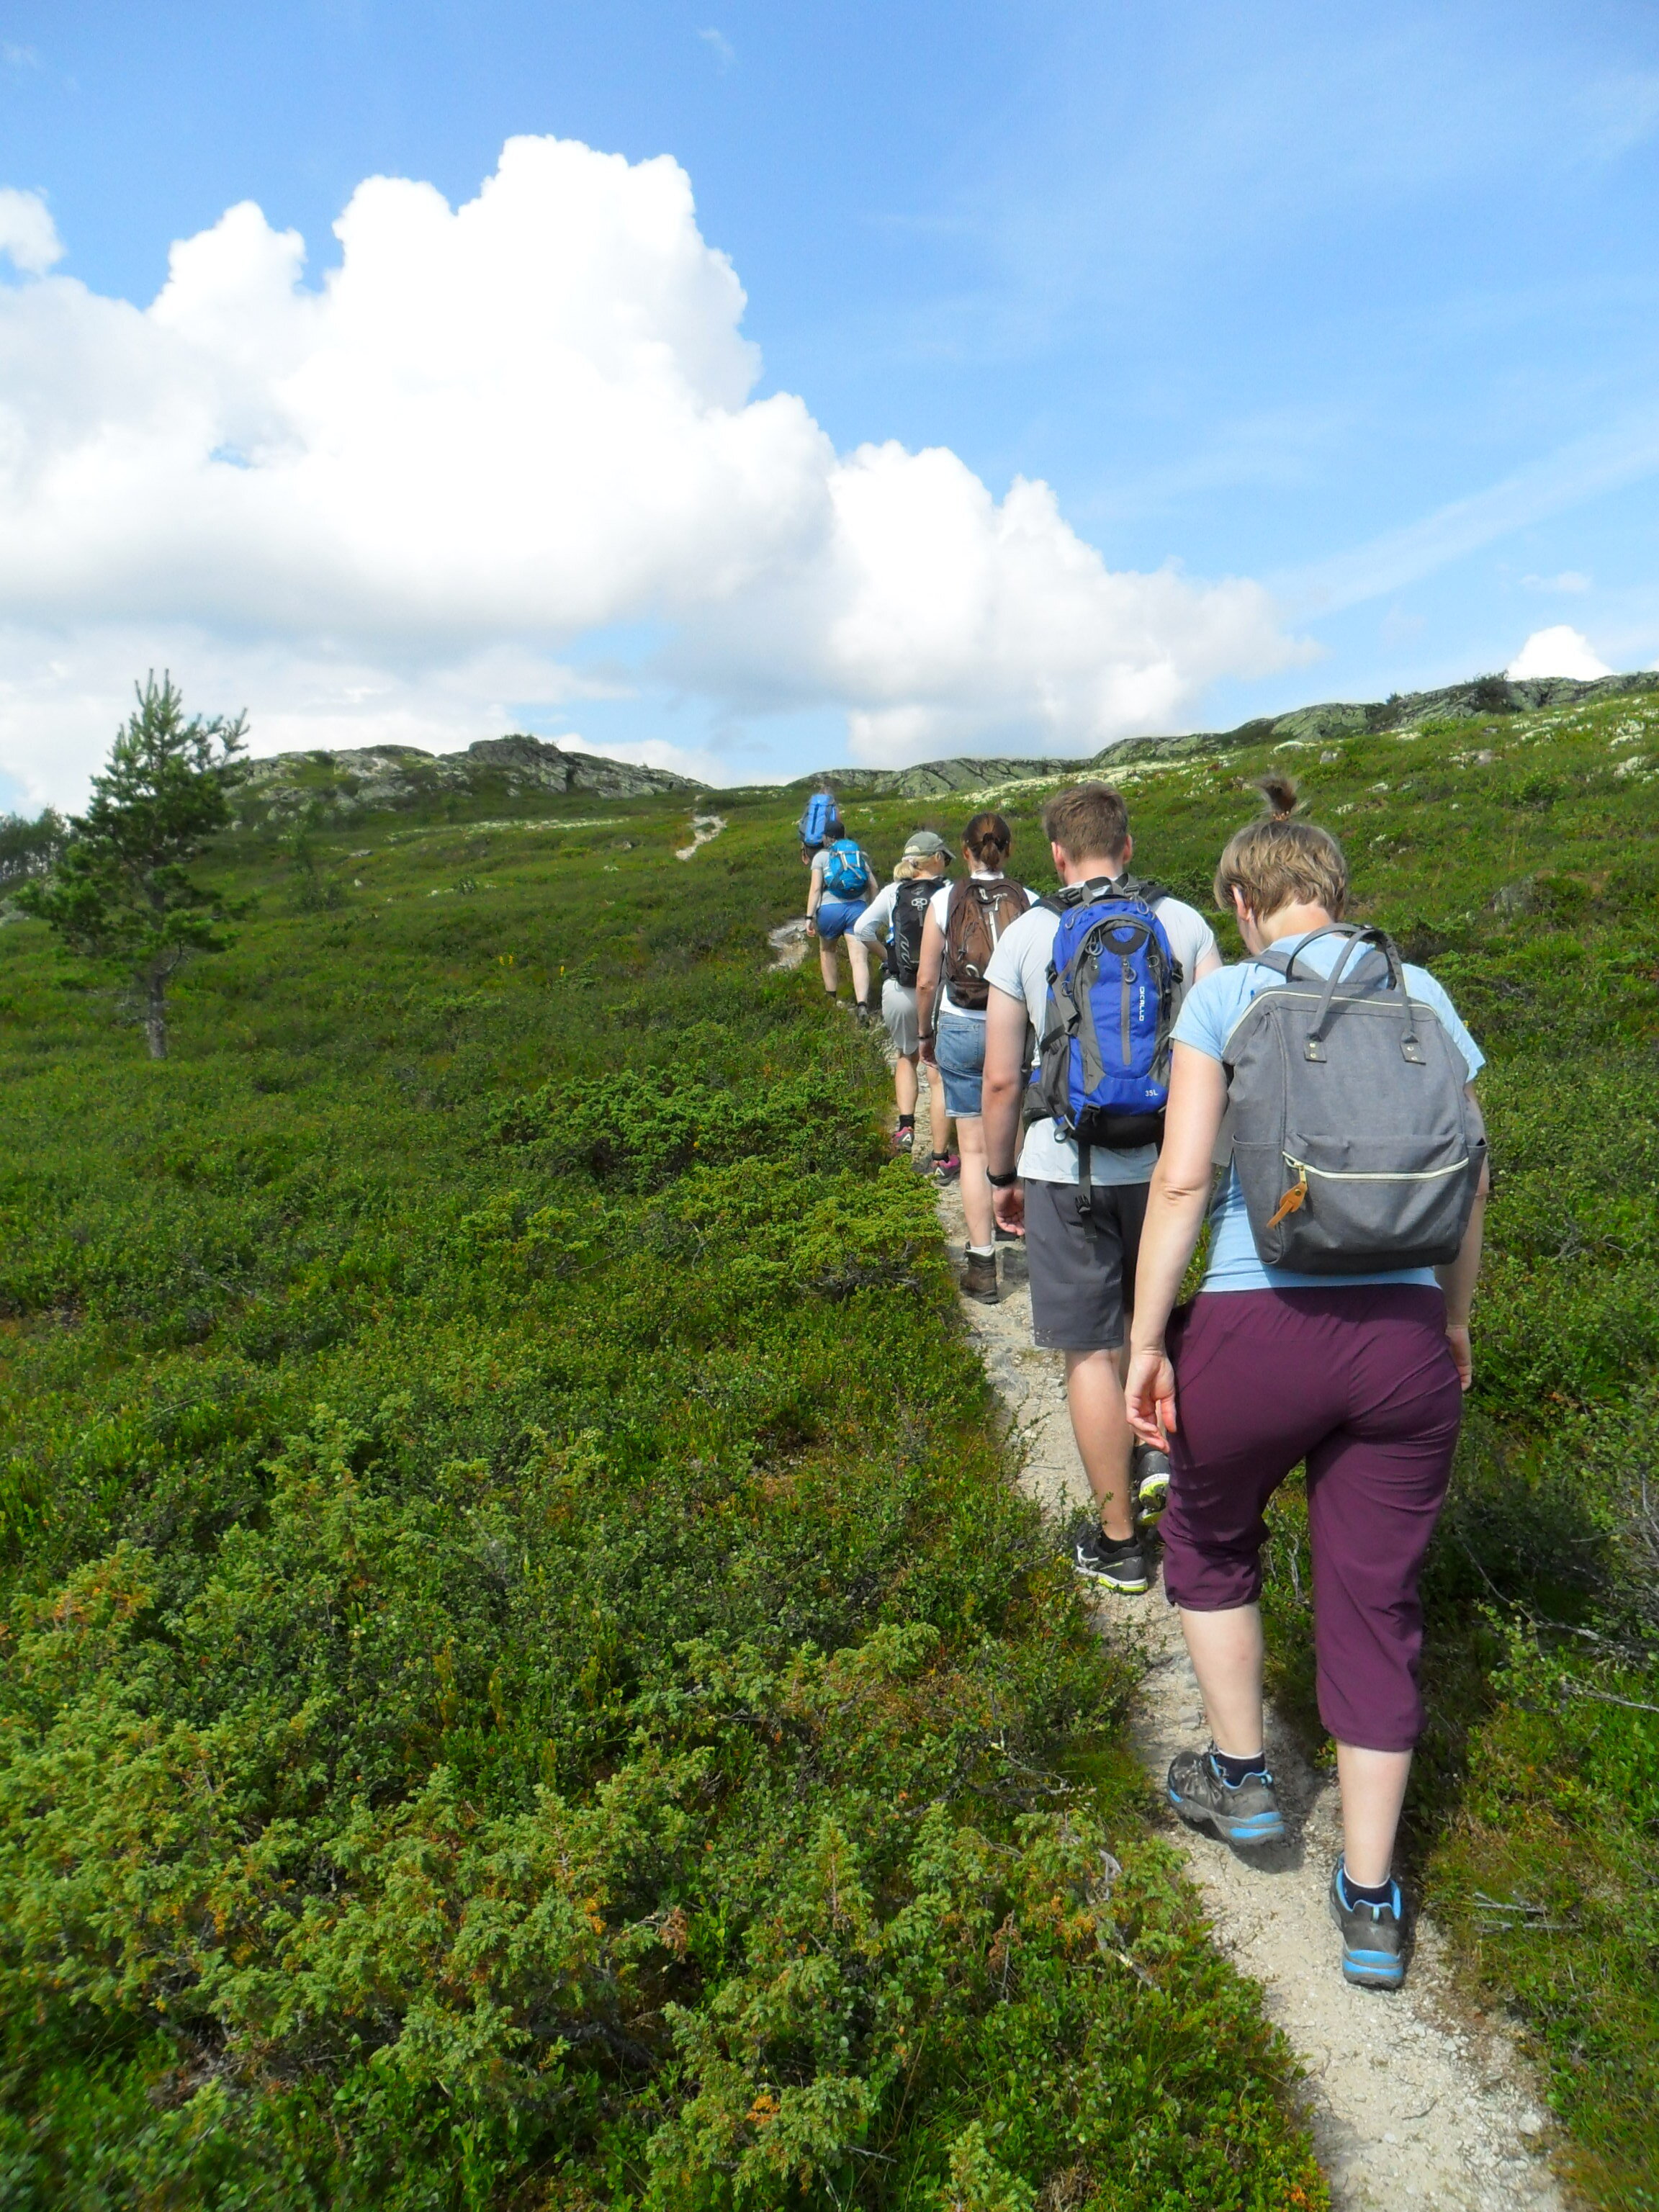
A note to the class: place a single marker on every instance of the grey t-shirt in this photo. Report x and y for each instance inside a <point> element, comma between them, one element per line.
<point>1019,967</point>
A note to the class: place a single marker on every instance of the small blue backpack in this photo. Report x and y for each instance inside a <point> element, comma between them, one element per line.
<point>1102,1067</point>
<point>819,821</point>
<point>844,873</point>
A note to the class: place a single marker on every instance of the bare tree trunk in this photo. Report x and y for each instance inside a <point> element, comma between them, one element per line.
<point>155,1016</point>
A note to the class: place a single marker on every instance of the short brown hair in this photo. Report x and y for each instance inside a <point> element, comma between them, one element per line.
<point>988,838</point>
<point>1279,861</point>
<point>1088,821</point>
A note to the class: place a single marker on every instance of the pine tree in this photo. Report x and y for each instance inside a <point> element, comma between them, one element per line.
<point>119,893</point>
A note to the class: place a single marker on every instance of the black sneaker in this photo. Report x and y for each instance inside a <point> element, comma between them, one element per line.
<point>1152,1481</point>
<point>948,1169</point>
<point>1117,1564</point>
<point>1373,1936</point>
<point>1244,1815</point>
<point>902,1140</point>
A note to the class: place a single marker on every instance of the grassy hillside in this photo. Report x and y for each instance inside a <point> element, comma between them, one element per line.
<point>524,1682</point>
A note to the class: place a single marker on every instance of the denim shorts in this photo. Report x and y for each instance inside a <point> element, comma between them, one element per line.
<point>959,1050</point>
<point>835,916</point>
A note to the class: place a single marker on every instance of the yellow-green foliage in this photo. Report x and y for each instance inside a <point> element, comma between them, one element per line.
<point>522,1680</point>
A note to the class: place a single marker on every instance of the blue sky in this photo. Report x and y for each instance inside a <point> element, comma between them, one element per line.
<point>1358,305</point>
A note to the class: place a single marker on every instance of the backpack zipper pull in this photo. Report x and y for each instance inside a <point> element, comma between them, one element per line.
<point>1294,1198</point>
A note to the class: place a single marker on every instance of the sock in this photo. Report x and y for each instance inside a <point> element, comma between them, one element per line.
<point>1233,1771</point>
<point>1361,1893</point>
<point>906,1121</point>
<point>983,1251</point>
<point>1116,1544</point>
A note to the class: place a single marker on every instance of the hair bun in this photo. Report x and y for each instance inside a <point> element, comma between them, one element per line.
<point>1280,792</point>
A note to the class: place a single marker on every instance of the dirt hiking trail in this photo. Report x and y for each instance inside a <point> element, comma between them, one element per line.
<point>1411,2102</point>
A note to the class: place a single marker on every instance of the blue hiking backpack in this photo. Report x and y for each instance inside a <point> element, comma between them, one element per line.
<point>845,876</point>
<point>820,820</point>
<point>1102,1067</point>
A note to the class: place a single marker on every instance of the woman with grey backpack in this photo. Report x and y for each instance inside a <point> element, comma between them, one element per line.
<point>1332,1326</point>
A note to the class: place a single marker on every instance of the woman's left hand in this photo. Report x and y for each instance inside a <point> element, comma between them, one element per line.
<point>1462,1355</point>
<point>1149,1396</point>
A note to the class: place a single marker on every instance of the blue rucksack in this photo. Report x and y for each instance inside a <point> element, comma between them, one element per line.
<point>820,820</point>
<point>845,876</point>
<point>1102,1068</point>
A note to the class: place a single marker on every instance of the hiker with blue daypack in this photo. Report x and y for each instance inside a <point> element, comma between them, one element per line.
<point>894,921</point>
<point>1093,977</point>
<point>843,885</point>
<point>1331,1327</point>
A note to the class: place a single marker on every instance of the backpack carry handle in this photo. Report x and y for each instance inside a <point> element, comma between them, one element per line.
<point>1373,940</point>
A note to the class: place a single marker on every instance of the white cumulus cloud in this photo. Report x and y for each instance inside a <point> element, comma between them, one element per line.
<point>399,501</point>
<point>29,236</point>
<point>1558,651</point>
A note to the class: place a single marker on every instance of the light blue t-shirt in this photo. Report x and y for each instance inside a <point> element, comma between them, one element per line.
<point>1206,1022</point>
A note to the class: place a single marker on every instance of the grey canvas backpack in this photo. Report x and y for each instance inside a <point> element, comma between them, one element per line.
<point>1357,1148</point>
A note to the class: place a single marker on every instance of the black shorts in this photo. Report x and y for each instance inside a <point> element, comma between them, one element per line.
<point>1083,1271</point>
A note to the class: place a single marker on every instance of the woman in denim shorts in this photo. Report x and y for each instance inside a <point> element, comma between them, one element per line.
<point>952,1040</point>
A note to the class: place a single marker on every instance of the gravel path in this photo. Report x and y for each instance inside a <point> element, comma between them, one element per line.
<point>704,827</point>
<point>1411,2102</point>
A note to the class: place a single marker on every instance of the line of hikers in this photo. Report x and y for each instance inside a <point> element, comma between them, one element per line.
<point>1116,1089</point>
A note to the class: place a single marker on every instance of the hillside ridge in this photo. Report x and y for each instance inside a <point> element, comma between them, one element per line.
<point>382,779</point>
<point>1481,695</point>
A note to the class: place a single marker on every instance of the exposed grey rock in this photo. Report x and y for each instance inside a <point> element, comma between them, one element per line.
<point>383,779</point>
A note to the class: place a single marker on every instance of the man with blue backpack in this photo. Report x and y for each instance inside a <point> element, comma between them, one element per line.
<point>843,884</point>
<point>1093,978</point>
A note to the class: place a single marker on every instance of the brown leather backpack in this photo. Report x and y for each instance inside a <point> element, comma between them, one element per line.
<point>978,912</point>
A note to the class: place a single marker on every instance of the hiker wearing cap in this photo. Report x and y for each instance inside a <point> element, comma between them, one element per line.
<point>1077,1190</point>
<point>965,921</point>
<point>842,886</point>
<point>894,921</point>
<point>1331,1327</point>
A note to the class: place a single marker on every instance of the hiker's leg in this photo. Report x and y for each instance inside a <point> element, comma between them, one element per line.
<point>1252,1400</point>
<point>827,966</point>
<point>1094,1398</point>
<point>976,1191</point>
<point>1374,1489</point>
<point>938,1116</point>
<point>1373,1785</point>
<point>858,959</point>
<point>1225,1649</point>
<point>905,1082</point>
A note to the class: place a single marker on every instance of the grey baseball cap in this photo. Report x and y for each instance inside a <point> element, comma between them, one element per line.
<point>925,844</point>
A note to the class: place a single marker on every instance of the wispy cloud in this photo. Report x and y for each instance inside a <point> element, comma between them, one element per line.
<point>1570,580</point>
<point>18,57</point>
<point>1608,461</point>
<point>720,47</point>
<point>1620,112</point>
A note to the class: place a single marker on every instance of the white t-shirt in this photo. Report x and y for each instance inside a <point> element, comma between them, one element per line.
<point>938,907</point>
<point>1019,968</point>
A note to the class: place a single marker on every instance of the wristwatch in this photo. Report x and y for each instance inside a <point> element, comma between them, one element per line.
<point>1001,1183</point>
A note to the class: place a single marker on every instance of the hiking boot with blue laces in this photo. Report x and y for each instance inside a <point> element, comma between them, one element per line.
<point>1373,1936</point>
<point>1116,1564</point>
<point>1152,1482</point>
<point>1244,1814</point>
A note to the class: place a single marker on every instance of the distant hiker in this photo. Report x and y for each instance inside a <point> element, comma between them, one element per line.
<point>1332,1326</point>
<point>965,921</point>
<point>1105,944</point>
<point>843,883</point>
<point>894,921</point>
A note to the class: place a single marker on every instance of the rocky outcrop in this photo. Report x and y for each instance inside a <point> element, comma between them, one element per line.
<point>1484,696</point>
<point>393,779</point>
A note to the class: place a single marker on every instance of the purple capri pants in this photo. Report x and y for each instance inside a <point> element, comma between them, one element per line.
<point>1358,1380</point>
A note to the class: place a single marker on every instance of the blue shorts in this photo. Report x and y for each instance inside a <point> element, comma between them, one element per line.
<point>835,916</point>
<point>959,1051</point>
